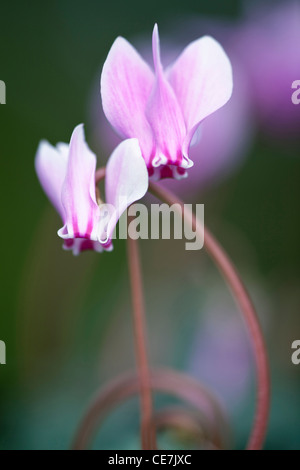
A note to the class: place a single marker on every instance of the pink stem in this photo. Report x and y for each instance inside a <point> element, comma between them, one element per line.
<point>241,295</point>
<point>100,174</point>
<point>147,424</point>
<point>148,437</point>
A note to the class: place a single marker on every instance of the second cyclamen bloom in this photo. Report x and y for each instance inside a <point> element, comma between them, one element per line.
<point>164,108</point>
<point>67,174</point>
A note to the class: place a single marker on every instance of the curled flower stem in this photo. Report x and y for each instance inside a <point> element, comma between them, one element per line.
<point>187,422</point>
<point>241,295</point>
<point>204,413</point>
<point>147,424</point>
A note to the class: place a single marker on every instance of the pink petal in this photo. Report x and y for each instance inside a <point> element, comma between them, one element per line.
<point>51,167</point>
<point>78,191</point>
<point>164,115</point>
<point>126,84</point>
<point>126,179</point>
<point>202,80</point>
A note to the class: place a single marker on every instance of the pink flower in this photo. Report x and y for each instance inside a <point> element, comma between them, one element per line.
<point>164,109</point>
<point>67,175</point>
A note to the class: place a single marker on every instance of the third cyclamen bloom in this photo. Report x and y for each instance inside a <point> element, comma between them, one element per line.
<point>163,109</point>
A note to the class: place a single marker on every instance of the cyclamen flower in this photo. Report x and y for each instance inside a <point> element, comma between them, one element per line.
<point>164,109</point>
<point>67,175</point>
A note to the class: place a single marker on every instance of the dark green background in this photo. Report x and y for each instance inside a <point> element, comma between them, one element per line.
<point>56,309</point>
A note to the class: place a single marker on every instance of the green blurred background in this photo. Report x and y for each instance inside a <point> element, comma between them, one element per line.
<point>65,320</point>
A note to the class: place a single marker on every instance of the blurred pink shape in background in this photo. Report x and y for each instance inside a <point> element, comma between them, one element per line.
<point>268,46</point>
